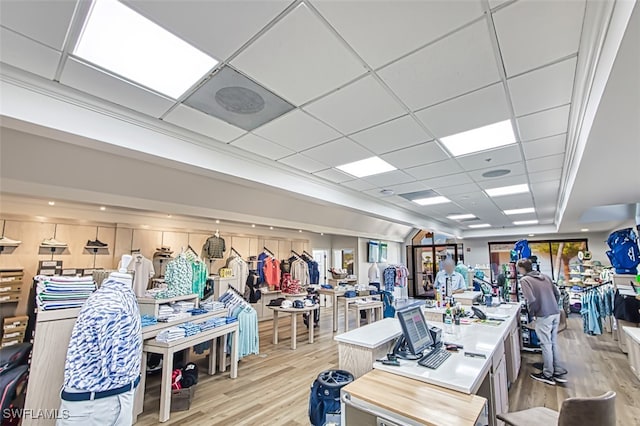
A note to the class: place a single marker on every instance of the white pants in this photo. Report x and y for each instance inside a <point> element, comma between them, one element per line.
<point>115,410</point>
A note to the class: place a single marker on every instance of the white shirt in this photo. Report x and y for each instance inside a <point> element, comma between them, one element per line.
<point>457,281</point>
<point>374,273</point>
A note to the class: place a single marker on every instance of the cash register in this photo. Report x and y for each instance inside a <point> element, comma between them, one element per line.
<point>418,341</point>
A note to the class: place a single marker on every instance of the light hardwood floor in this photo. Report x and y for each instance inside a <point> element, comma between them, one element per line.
<point>273,388</point>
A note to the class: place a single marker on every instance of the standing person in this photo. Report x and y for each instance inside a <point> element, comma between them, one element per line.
<point>543,296</point>
<point>102,368</point>
<point>456,279</point>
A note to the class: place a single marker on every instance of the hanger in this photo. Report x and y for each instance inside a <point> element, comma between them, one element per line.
<point>236,252</point>
<point>269,252</point>
<point>296,254</point>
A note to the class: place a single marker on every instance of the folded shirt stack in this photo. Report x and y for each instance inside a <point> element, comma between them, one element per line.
<point>171,334</point>
<point>197,311</point>
<point>165,310</point>
<point>59,292</point>
<point>183,306</point>
<point>190,328</point>
<point>212,305</point>
<point>212,323</point>
<point>174,317</point>
<point>148,320</point>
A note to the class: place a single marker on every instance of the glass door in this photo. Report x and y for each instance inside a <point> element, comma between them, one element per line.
<point>423,268</point>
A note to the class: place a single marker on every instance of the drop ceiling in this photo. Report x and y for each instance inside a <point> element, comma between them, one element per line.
<point>371,78</point>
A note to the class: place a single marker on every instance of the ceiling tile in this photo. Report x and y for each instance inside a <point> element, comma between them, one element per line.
<point>434,170</point>
<point>297,131</point>
<point>500,182</point>
<point>542,124</point>
<point>425,153</point>
<point>495,3</point>
<point>393,135</point>
<point>261,146</point>
<point>515,169</point>
<point>26,54</point>
<point>199,122</point>
<point>532,33</point>
<point>339,152</point>
<point>334,175</point>
<point>304,163</point>
<point>546,188</point>
<point>390,29</point>
<point>360,104</point>
<point>545,163</point>
<point>218,28</point>
<point>447,181</point>
<point>545,146</point>
<point>449,191</point>
<point>514,202</point>
<point>546,176</point>
<point>459,63</point>
<point>543,88</point>
<point>42,21</point>
<point>359,185</point>
<point>477,109</point>
<point>377,192</point>
<point>90,80</point>
<point>492,158</point>
<point>395,177</point>
<point>404,188</point>
<point>299,58</point>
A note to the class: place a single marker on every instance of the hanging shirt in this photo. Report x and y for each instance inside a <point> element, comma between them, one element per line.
<point>106,342</point>
<point>271,271</point>
<point>179,278</point>
<point>374,273</point>
<point>143,271</point>
<point>199,279</point>
<point>457,281</point>
<point>214,248</point>
<point>261,260</point>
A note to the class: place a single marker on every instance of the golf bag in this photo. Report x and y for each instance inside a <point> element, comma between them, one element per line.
<point>624,254</point>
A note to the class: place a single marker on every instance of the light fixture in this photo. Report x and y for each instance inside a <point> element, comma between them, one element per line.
<point>322,233</point>
<point>217,220</point>
<point>140,50</point>
<point>271,227</point>
<point>431,200</point>
<point>526,222</point>
<point>387,192</point>
<point>299,230</point>
<point>520,211</point>
<point>461,216</point>
<point>532,235</point>
<point>52,203</point>
<point>368,167</point>
<point>507,190</point>
<point>480,139</point>
<point>169,216</point>
<point>480,225</point>
<point>103,208</point>
<point>253,225</point>
<point>584,230</point>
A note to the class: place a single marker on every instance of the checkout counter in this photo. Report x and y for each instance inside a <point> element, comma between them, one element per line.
<point>464,390</point>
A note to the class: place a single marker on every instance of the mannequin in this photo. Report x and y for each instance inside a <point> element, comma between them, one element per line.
<point>374,274</point>
<point>103,359</point>
<point>214,247</point>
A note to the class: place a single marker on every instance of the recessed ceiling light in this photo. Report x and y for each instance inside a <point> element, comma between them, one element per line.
<point>299,230</point>
<point>217,220</point>
<point>387,192</point>
<point>169,216</point>
<point>253,225</point>
<point>584,230</point>
<point>480,139</point>
<point>140,50</point>
<point>532,235</point>
<point>103,208</point>
<point>461,216</point>
<point>322,233</point>
<point>480,225</point>
<point>271,227</point>
<point>496,173</point>
<point>52,203</point>
<point>520,211</point>
<point>431,201</point>
<point>507,190</point>
<point>526,222</point>
<point>368,167</point>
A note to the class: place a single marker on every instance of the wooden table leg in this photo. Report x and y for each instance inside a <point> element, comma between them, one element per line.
<point>222,358</point>
<point>346,314</point>
<point>294,330</point>
<point>213,345</point>
<point>275,327</point>
<point>234,355</point>
<point>335,312</point>
<point>165,387</point>
<point>139,394</point>
<point>311,313</point>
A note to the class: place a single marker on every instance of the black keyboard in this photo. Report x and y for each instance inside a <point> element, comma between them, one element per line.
<point>434,359</point>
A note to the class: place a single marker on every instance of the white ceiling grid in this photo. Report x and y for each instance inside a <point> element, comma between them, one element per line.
<point>367,78</point>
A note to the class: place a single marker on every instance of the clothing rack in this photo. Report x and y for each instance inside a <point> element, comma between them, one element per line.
<point>593,287</point>
<point>304,253</point>
<point>269,252</point>
<point>236,252</point>
<point>296,254</point>
<point>237,294</point>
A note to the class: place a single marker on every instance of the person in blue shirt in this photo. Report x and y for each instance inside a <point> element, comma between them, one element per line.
<point>457,280</point>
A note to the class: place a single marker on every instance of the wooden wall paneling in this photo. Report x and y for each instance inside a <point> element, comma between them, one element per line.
<point>284,249</point>
<point>242,245</point>
<point>147,241</point>
<point>254,246</point>
<point>122,245</point>
<point>176,240</point>
<point>105,258</point>
<point>299,246</point>
<point>197,241</point>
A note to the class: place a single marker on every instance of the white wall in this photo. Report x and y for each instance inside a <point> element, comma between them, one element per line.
<point>394,256</point>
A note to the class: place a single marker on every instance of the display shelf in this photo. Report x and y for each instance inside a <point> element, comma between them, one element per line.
<point>151,306</point>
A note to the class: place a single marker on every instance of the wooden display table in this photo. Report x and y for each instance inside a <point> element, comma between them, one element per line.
<point>334,293</point>
<point>350,300</point>
<point>168,349</point>
<point>399,400</point>
<point>372,308</point>
<point>294,322</point>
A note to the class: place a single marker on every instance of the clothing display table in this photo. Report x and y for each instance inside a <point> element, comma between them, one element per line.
<point>294,322</point>
<point>372,308</point>
<point>633,345</point>
<point>168,349</point>
<point>151,306</point>
<point>392,399</point>
<point>334,293</point>
<point>349,300</point>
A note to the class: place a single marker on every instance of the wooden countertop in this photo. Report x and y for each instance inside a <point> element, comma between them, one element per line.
<point>421,402</point>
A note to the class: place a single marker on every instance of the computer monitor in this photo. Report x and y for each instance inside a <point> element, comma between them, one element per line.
<point>415,330</point>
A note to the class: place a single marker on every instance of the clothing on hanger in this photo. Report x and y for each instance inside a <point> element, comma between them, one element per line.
<point>214,248</point>
<point>143,271</point>
<point>178,277</point>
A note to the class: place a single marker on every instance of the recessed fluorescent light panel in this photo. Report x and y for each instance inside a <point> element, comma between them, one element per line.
<point>520,211</point>
<point>507,190</point>
<point>480,225</point>
<point>525,222</point>
<point>368,167</point>
<point>480,139</point>
<point>461,216</point>
<point>431,201</point>
<point>126,43</point>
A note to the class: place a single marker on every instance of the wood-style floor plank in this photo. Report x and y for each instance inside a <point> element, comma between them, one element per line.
<point>273,388</point>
